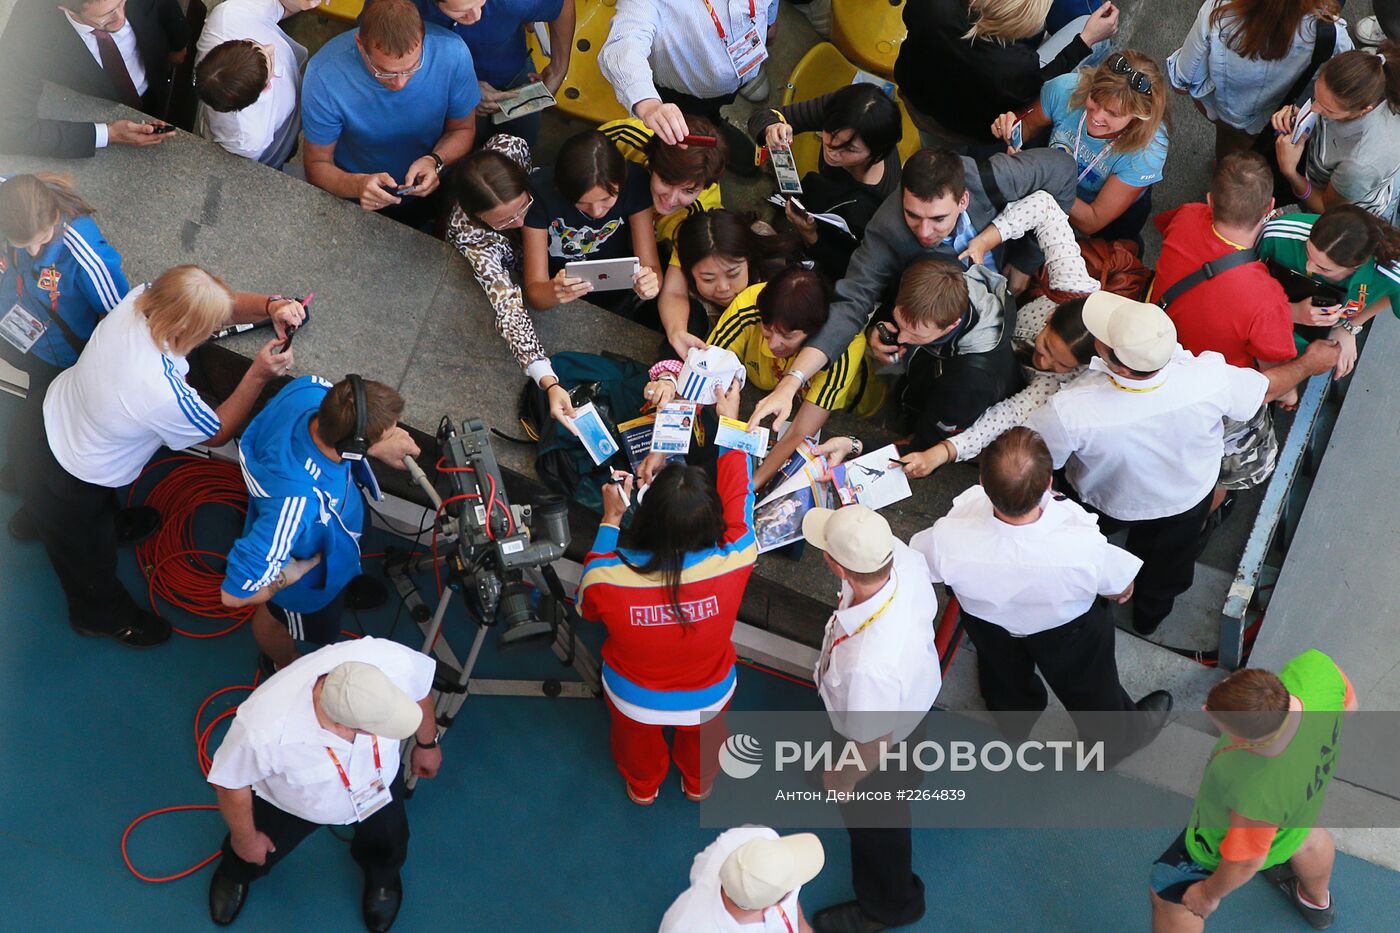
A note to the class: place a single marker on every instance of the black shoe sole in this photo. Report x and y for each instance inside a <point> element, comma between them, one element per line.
<point>118,636</point>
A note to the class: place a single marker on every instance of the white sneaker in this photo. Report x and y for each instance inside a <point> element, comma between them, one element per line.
<point>757,88</point>
<point>818,13</point>
<point>1368,32</point>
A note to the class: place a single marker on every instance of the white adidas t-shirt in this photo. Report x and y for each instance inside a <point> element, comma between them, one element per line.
<point>121,401</point>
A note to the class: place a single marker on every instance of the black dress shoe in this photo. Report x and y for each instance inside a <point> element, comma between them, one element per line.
<point>22,527</point>
<point>1144,627</point>
<point>137,524</point>
<point>146,631</point>
<point>846,917</point>
<point>226,898</point>
<point>1156,705</point>
<point>381,905</point>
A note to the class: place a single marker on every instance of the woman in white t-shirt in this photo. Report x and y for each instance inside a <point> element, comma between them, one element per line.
<point>105,417</point>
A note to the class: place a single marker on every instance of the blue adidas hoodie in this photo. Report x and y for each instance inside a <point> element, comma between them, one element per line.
<point>300,503</point>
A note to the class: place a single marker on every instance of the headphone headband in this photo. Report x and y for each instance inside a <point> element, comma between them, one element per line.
<point>356,445</point>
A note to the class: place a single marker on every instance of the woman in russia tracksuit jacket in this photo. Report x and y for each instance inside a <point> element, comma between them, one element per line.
<point>58,277</point>
<point>669,601</point>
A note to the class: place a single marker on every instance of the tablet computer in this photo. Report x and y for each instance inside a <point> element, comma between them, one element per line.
<point>605,274</point>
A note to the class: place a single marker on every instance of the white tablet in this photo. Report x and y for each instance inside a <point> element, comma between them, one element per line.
<point>605,274</point>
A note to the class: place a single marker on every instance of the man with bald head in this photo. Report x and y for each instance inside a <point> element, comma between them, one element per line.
<point>1033,575</point>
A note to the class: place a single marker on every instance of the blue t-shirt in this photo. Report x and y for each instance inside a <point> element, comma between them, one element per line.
<point>373,128</point>
<point>497,40</point>
<point>1140,169</point>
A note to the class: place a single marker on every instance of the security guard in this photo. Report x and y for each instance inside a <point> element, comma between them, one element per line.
<point>58,277</point>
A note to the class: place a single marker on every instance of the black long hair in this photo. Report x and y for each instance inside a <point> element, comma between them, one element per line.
<point>680,514</point>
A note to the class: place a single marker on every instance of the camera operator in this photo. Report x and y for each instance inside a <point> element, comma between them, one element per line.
<point>108,413</point>
<point>302,460</point>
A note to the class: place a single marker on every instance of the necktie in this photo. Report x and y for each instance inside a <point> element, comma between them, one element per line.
<point>116,68</point>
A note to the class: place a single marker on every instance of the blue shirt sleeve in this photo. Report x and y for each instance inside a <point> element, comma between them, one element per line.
<point>259,555</point>
<point>102,284</point>
<point>463,91</point>
<point>321,119</point>
<point>1144,167</point>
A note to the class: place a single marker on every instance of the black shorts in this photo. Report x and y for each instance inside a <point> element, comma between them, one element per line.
<point>321,627</point>
<point>1175,871</point>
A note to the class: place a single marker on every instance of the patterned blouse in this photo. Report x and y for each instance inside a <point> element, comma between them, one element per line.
<point>493,256</point>
<point>1065,264</point>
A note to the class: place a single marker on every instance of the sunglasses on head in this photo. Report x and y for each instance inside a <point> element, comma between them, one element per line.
<point>1118,64</point>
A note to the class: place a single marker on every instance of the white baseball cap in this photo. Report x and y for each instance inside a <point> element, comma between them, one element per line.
<point>856,537</point>
<point>358,695</point>
<point>1141,335</point>
<point>761,872</point>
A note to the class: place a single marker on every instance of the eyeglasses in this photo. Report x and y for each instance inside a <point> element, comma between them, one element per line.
<point>529,203</point>
<point>1118,64</point>
<point>392,75</point>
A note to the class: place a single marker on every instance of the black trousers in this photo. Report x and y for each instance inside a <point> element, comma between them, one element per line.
<point>29,424</point>
<point>1168,548</point>
<point>1077,661</point>
<point>708,107</point>
<point>882,846</point>
<point>76,521</point>
<point>379,847</point>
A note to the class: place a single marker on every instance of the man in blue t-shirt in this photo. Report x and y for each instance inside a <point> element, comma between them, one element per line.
<point>385,108</point>
<point>495,33</point>
<point>301,540</point>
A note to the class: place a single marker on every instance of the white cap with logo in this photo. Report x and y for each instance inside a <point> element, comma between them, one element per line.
<point>761,872</point>
<point>1141,335</point>
<point>360,696</point>
<point>856,537</point>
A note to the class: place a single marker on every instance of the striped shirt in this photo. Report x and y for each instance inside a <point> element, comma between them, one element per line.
<point>124,398</point>
<point>631,136</point>
<point>838,387</point>
<point>675,44</point>
<point>1285,239</point>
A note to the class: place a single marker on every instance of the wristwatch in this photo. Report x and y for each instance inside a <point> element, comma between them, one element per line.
<point>437,161</point>
<point>1350,328</point>
<point>857,446</point>
<point>432,744</point>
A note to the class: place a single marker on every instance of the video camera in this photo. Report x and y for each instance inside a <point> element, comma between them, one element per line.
<point>495,542</point>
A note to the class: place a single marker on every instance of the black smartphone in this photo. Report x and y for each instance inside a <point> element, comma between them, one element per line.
<point>287,343</point>
<point>887,333</point>
<point>406,189</point>
<point>799,208</point>
<point>163,128</point>
<point>292,331</point>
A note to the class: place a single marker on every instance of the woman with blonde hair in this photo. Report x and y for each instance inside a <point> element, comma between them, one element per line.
<point>64,277</point>
<point>966,61</point>
<point>1241,59</point>
<point>1113,120</point>
<point>106,415</point>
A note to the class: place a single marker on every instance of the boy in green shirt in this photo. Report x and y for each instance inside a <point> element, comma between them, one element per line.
<point>1261,793</point>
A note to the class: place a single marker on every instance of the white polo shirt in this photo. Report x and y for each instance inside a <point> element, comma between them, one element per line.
<point>888,667</point>
<point>250,131</point>
<point>699,909</point>
<point>277,746</point>
<point>1150,448</point>
<point>1024,578</point>
<point>125,397</point>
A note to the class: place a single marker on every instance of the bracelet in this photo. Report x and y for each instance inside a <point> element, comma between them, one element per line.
<point>1306,194</point>
<point>437,161</point>
<point>857,445</point>
<point>802,378</point>
<point>267,304</point>
<point>1350,328</point>
<point>430,745</point>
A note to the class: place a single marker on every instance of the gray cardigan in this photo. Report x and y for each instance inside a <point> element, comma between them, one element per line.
<point>890,246</point>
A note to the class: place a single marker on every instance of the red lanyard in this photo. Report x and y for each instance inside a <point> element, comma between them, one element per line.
<point>344,778</point>
<point>782,913</point>
<point>753,14</point>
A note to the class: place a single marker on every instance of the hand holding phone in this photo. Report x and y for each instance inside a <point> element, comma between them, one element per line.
<point>162,129</point>
<point>1016,136</point>
<point>405,190</point>
<point>799,208</point>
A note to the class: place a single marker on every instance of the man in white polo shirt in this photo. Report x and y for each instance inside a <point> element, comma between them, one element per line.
<point>1033,573</point>
<point>878,675</point>
<point>747,881</point>
<point>1141,437</point>
<point>248,78</point>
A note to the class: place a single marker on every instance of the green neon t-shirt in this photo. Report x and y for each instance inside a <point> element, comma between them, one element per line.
<point>1286,791</point>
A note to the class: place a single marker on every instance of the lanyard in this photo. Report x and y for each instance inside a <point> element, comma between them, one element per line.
<point>753,14</point>
<point>1122,388</point>
<point>345,778</point>
<point>782,913</point>
<point>826,656</point>
<point>1098,158</point>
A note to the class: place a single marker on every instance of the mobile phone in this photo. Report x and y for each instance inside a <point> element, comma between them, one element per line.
<point>287,343</point>
<point>1016,136</point>
<point>162,129</point>
<point>799,208</point>
<point>888,334</point>
<point>704,142</point>
<point>292,331</point>
<point>406,189</point>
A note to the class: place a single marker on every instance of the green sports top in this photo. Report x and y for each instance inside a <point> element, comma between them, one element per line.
<point>1285,791</point>
<point>1284,240</point>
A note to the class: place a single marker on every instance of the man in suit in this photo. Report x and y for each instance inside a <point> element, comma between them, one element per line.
<point>121,50</point>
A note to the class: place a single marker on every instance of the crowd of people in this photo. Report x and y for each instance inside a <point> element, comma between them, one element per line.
<point>987,295</point>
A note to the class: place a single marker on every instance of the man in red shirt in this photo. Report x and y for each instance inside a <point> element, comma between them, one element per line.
<point>1241,313</point>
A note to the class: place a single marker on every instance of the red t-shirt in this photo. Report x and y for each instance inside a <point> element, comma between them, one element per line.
<point>1242,314</point>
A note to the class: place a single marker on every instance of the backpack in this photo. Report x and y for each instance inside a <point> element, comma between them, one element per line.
<point>614,384</point>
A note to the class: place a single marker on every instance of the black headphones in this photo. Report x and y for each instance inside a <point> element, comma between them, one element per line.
<point>355,446</point>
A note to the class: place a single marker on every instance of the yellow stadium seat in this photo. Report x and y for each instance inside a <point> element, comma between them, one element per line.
<point>823,70</point>
<point>346,10</point>
<point>869,32</point>
<point>585,93</point>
